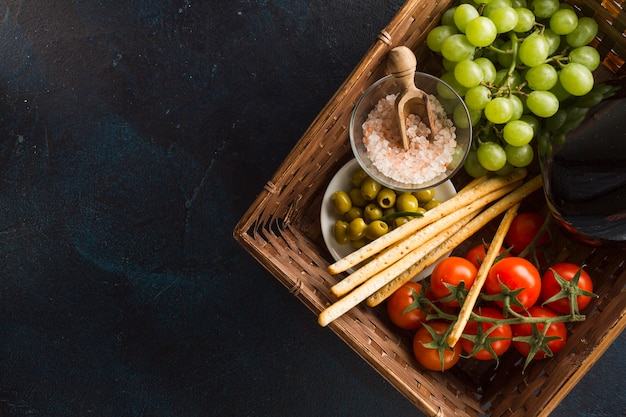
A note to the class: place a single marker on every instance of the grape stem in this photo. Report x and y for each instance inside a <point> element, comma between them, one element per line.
<point>514,48</point>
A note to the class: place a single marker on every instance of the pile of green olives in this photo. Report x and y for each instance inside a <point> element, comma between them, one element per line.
<point>369,210</point>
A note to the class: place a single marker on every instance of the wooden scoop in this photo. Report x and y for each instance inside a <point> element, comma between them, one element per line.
<point>402,63</point>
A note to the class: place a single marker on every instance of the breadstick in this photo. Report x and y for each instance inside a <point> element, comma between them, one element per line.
<point>460,200</point>
<point>433,250</point>
<point>373,284</point>
<point>473,183</point>
<point>472,227</point>
<point>481,276</point>
<point>391,255</point>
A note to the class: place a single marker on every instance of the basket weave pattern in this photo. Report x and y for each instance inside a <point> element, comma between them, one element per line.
<point>281,230</point>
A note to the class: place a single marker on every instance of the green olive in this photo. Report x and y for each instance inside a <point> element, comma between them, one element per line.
<point>340,232</point>
<point>420,210</point>
<point>376,229</point>
<point>341,201</point>
<point>370,189</point>
<point>424,196</point>
<point>406,202</point>
<point>372,212</point>
<point>432,204</point>
<point>386,198</point>
<point>357,198</point>
<point>389,211</point>
<point>357,244</point>
<point>399,221</point>
<point>358,176</point>
<point>353,213</point>
<point>356,229</point>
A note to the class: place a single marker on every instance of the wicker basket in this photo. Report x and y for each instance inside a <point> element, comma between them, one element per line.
<point>282,231</point>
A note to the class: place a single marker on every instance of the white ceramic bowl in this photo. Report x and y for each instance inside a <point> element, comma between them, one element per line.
<point>328,215</point>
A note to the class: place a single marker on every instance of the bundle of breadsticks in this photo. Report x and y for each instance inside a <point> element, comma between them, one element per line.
<point>387,263</point>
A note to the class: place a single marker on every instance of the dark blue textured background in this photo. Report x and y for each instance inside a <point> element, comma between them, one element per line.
<point>133,136</point>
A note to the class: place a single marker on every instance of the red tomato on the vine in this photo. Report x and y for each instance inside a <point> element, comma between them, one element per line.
<point>523,229</point>
<point>477,254</point>
<point>429,357</point>
<point>557,329</point>
<point>501,331</point>
<point>452,270</point>
<point>398,302</point>
<point>550,286</point>
<point>515,273</point>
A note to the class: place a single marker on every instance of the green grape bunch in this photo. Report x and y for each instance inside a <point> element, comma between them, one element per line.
<point>518,64</point>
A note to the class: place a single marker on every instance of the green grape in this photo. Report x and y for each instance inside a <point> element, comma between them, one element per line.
<point>489,70</point>
<point>495,4</point>
<point>544,147</point>
<point>576,79</point>
<point>447,18</point>
<point>506,58</point>
<point>559,92</point>
<point>554,40</point>
<point>491,53</point>
<point>542,103</point>
<point>476,98</point>
<point>544,8</point>
<point>584,33</point>
<point>504,18</point>
<point>463,14</point>
<point>517,133</point>
<point>505,170</point>
<point>532,121</point>
<point>448,65</point>
<point>519,156</point>
<point>512,80</point>
<point>541,77</point>
<point>585,55</point>
<point>555,121</point>
<point>533,50</point>
<point>456,48</point>
<point>481,31</point>
<point>475,116</point>
<point>460,117</point>
<point>498,110</point>
<point>472,165</point>
<point>575,116</point>
<point>518,107</point>
<point>566,6</point>
<point>445,92</point>
<point>437,35</point>
<point>563,21</point>
<point>525,20</point>
<point>491,156</point>
<point>516,4</point>
<point>468,73</point>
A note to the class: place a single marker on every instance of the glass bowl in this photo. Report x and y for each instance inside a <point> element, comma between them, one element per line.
<point>454,108</point>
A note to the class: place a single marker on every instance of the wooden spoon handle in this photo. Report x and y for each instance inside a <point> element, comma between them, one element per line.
<point>402,64</point>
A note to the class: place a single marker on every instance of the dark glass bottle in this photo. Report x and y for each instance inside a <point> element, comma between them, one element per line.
<point>585,176</point>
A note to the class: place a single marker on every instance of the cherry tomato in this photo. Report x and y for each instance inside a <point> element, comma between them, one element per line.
<point>501,331</point>
<point>477,254</point>
<point>398,302</point>
<point>515,273</point>
<point>452,270</point>
<point>523,230</point>
<point>550,286</point>
<point>429,357</point>
<point>557,329</point>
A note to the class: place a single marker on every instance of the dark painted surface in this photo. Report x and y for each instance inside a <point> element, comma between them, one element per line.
<point>133,136</point>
